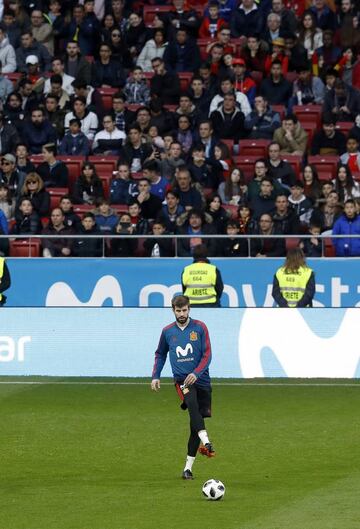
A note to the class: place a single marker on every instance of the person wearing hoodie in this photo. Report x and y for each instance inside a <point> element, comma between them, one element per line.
<point>347,224</point>
<point>299,203</point>
<point>154,48</point>
<point>291,137</point>
<point>7,53</point>
<point>6,87</point>
<point>228,120</point>
<point>88,246</point>
<point>136,90</point>
<point>105,217</point>
<point>11,27</point>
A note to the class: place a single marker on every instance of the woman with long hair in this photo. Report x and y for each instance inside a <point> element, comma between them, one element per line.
<point>312,186</point>
<point>88,187</point>
<point>34,190</point>
<point>154,47</point>
<point>218,214</point>
<point>309,35</point>
<point>234,188</point>
<point>119,51</point>
<point>294,282</point>
<point>345,185</point>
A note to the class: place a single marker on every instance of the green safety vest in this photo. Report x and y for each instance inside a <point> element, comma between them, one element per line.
<point>2,262</point>
<point>199,280</point>
<point>293,285</point>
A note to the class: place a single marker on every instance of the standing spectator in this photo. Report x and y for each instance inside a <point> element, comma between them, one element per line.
<point>276,89</point>
<point>328,140</point>
<point>61,246</point>
<point>109,140</point>
<point>42,31</point>
<point>29,46</point>
<point>54,172</point>
<point>246,19</point>
<point>34,189</point>
<point>76,65</point>
<point>38,131</point>
<point>88,246</point>
<point>27,221</point>
<point>136,89</point>
<point>182,54</point>
<point>75,143</point>
<point>88,186</point>
<point>267,246</point>
<point>291,137</point>
<point>154,48</point>
<point>164,85</point>
<point>347,224</point>
<point>7,53</point>
<point>262,121</point>
<point>89,120</point>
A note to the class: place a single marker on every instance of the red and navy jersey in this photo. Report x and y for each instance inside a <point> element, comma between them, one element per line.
<point>189,351</point>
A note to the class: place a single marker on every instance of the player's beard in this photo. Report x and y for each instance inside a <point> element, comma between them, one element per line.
<point>182,319</point>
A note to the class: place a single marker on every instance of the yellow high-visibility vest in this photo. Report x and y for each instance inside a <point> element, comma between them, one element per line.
<point>199,280</point>
<point>2,262</point>
<point>293,285</point>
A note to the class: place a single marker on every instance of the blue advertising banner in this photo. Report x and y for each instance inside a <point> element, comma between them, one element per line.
<point>121,342</point>
<point>153,282</point>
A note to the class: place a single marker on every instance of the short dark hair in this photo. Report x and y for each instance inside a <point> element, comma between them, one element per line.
<point>180,301</point>
<point>200,251</point>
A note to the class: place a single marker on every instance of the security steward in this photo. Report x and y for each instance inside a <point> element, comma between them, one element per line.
<point>5,280</point>
<point>294,282</point>
<point>201,281</point>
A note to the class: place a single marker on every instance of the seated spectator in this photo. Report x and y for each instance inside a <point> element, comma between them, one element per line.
<point>246,222</point>
<point>307,89</point>
<point>291,137</point>
<point>157,182</point>
<point>342,101</point>
<point>312,186</point>
<point>89,120</point>
<point>170,211</point>
<point>13,111</point>
<point>159,247</point>
<point>84,27</point>
<point>88,246</point>
<point>34,189</point>
<point>106,72</point>
<point>228,120</point>
<point>262,122</point>
<point>10,175</point>
<point>310,36</point>
<point>284,217</point>
<point>149,203</point>
<point>221,162</point>
<point>108,141</point>
<point>277,53</point>
<point>254,53</point>
<point>260,171</point>
<point>136,89</point>
<point>218,214</point>
<point>276,89</point>
<point>56,89</point>
<point>312,247</point>
<point>42,30</point>
<point>74,143</point>
<point>105,217</point>
<point>294,51</point>
<point>301,205</point>
<point>53,172</point>
<point>186,108</point>
<point>143,119</point>
<point>7,203</point>
<point>38,132</point>
<point>154,47</point>
<point>58,68</point>
<point>7,53</point>
<point>93,98</point>
<point>355,131</point>
<point>200,97</point>
<point>57,21</point>
<point>246,19</point>
<point>61,246</point>
<point>327,210</point>
<point>268,246</point>
<point>29,46</point>
<point>352,155</point>
<point>345,185</point>
<point>135,34</point>
<point>280,171</point>
<point>140,225</point>
<point>12,27</point>
<point>76,64</point>
<point>184,133</point>
<point>272,31</point>
<point>207,137</point>
<point>328,140</point>
<point>54,114</point>
<point>172,161</point>
<point>135,150</point>
<point>325,17</point>
<point>264,201</point>
<point>122,188</point>
<point>212,21</point>
<point>326,56</point>
<point>190,194</point>
<point>234,189</point>
<point>71,219</point>
<point>161,117</point>
<point>9,136</point>
<point>27,221</point>
<point>23,163</point>
<point>164,85</point>
<point>123,247</point>
<point>88,187</point>
<point>123,116</point>
<point>6,87</point>
<point>193,223</point>
<point>33,73</point>
<point>182,54</point>
<point>347,224</point>
<point>180,15</point>
<point>227,87</point>
<point>232,246</point>
<point>201,171</point>
<point>212,67</point>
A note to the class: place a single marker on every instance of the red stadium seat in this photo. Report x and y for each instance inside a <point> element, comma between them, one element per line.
<point>310,128</point>
<point>325,164</point>
<point>55,195</point>
<point>329,249</point>
<point>257,77</point>
<point>25,248</point>
<point>233,210</point>
<point>104,165</point>
<point>14,77</point>
<point>308,113</point>
<point>106,182</point>
<point>149,12</point>
<point>280,109</point>
<point>295,162</point>
<point>344,126</point>
<point>246,164</point>
<point>291,243</point>
<point>254,148</point>
<point>81,209</point>
<point>74,165</point>
<point>229,143</point>
<point>202,45</point>
<point>185,78</point>
<point>291,76</point>
<point>107,96</point>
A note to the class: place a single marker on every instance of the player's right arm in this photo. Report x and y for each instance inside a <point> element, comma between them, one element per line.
<point>160,359</point>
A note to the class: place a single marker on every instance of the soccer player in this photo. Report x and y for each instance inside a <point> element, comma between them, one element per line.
<point>188,344</point>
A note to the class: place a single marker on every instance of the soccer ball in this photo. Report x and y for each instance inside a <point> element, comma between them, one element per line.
<point>213,489</point>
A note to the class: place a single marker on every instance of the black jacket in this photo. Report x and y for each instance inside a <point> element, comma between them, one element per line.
<point>228,128</point>
<point>184,58</point>
<point>86,246</point>
<point>166,87</point>
<point>9,139</point>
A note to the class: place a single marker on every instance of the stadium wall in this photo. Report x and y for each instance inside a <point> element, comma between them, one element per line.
<point>120,342</point>
<point>153,282</point>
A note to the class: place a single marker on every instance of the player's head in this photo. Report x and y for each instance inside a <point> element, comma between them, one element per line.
<point>181,308</point>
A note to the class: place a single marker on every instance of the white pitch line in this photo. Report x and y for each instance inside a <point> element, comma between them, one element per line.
<point>241,384</point>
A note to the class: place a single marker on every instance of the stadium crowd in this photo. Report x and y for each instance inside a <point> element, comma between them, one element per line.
<point>180,117</point>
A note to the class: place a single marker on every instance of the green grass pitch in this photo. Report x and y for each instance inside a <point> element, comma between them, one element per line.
<point>110,456</point>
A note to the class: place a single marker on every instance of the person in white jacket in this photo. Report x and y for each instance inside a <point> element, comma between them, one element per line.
<point>154,47</point>
<point>7,54</point>
<point>226,87</point>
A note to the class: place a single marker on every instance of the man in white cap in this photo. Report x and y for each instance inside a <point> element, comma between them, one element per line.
<point>33,72</point>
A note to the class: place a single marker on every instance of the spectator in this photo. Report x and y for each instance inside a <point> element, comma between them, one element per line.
<point>181,16</point>
<point>135,34</point>
<point>345,185</point>
<point>277,53</point>
<point>308,89</point>
<point>71,219</point>
<point>226,8</point>
<point>246,223</point>
<point>262,121</point>
<point>117,8</point>
<point>29,46</point>
<point>260,171</point>
<point>88,246</point>
<point>123,116</point>
<point>264,200</point>
<point>57,21</point>
<point>33,188</point>
<point>140,225</point>
<point>172,161</point>
<point>74,143</point>
<point>347,224</point>
<point>154,48</point>
<point>348,21</point>
<point>38,131</point>
<point>54,172</point>
<point>159,247</point>
<point>84,28</point>
<point>109,140</point>
<point>9,137</point>
<point>92,97</point>
<point>355,131</point>
<point>10,175</point>
<point>352,155</point>
<point>27,221</point>
<point>42,31</point>
<point>272,31</point>
<point>163,84</point>
<point>124,246</point>
<point>279,170</point>
<point>201,170</point>
<point>291,137</point>
<point>171,210</point>
<point>136,150</point>
<point>301,205</point>
<point>89,120</point>
<point>328,140</point>
<point>119,51</point>
<point>75,65</point>
<point>275,88</point>
<point>193,223</point>
<point>200,97</point>
<point>21,15</point>
<point>13,112</point>
<point>288,18</point>
<point>312,247</point>
<point>267,246</point>
<point>328,211</point>
<point>136,89</point>
<point>106,72</point>
<point>30,99</point>
<point>23,163</point>
<point>58,68</point>
<point>157,182</point>
<point>234,189</point>
<point>227,87</point>
<point>6,87</point>
<point>212,22</point>
<point>242,79</point>
<point>105,217</point>
<point>149,203</point>
<point>294,51</point>
<point>218,214</point>
<point>325,17</point>
<point>54,114</point>
<point>254,53</point>
<point>184,134</point>
<point>246,20</point>
<point>284,217</point>
<point>310,36</point>
<point>88,186</point>
<point>61,246</point>
<point>233,246</point>
<point>189,193</point>
<point>122,188</point>
<point>327,56</point>
<point>7,53</point>
<point>7,203</point>
<point>182,54</point>
<point>312,186</point>
<point>228,120</point>
<point>143,119</point>
<point>11,27</point>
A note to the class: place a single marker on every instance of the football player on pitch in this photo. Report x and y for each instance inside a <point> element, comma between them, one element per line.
<point>188,344</point>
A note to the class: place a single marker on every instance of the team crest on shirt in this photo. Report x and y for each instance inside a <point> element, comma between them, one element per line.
<point>193,336</point>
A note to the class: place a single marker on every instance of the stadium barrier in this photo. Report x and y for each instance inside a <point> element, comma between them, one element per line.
<point>111,342</point>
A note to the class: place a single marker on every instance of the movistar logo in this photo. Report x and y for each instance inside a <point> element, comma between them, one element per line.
<point>62,295</point>
<point>184,352</point>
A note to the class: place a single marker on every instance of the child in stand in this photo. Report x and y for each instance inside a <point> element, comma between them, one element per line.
<point>212,22</point>
<point>136,89</point>
<point>312,247</point>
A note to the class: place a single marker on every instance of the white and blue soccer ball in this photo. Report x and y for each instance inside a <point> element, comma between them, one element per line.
<point>213,489</point>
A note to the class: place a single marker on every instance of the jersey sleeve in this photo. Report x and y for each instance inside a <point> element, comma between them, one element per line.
<point>160,356</point>
<point>206,352</point>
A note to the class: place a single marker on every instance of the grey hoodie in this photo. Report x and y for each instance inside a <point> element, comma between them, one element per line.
<point>7,56</point>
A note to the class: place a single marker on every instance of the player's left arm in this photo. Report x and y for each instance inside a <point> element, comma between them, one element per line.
<point>206,352</point>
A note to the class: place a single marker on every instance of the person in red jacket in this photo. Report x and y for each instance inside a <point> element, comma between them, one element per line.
<point>278,46</point>
<point>212,23</point>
